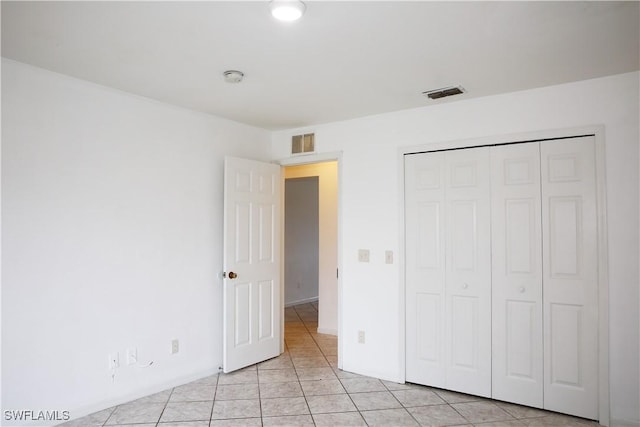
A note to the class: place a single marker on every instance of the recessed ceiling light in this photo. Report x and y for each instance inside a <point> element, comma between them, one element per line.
<point>287,10</point>
<point>233,76</point>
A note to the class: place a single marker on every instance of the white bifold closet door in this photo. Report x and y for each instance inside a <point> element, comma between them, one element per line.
<point>449,284</point>
<point>516,243</point>
<point>570,272</point>
<point>501,273</point>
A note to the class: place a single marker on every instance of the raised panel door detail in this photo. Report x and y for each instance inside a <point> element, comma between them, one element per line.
<point>428,178</point>
<point>566,331</point>
<point>565,222</point>
<point>521,339</point>
<point>463,174</point>
<point>429,244</point>
<point>520,234</point>
<point>564,167</point>
<point>428,328</point>
<point>266,230</point>
<point>242,321</point>
<point>464,234</point>
<point>464,340</point>
<point>265,306</point>
<point>242,239</point>
<point>519,171</point>
<point>243,182</point>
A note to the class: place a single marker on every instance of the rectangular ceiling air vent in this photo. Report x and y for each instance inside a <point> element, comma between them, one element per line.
<point>302,144</point>
<point>443,92</point>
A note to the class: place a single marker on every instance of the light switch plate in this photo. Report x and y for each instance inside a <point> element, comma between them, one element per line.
<point>388,257</point>
<point>363,255</point>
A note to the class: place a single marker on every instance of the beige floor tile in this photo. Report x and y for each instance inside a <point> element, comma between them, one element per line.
<point>455,397</point>
<point>341,419</point>
<point>288,421</point>
<point>239,377</point>
<point>237,422</point>
<point>226,409</point>
<point>321,387</point>
<point>309,374</point>
<point>389,417</point>
<point>481,412</point>
<point>237,392</point>
<point>310,362</point>
<point>135,412</point>
<point>437,415</point>
<point>361,385</point>
<point>289,389</point>
<point>277,376</point>
<point>558,420</point>
<point>187,411</point>
<point>375,400</point>
<point>192,392</point>
<point>519,411</point>
<point>417,397</point>
<point>284,406</point>
<point>330,403</point>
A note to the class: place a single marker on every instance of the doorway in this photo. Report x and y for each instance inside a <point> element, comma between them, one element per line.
<point>302,180</point>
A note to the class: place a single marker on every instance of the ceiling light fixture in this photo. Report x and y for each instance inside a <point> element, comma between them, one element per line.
<point>287,10</point>
<point>233,76</point>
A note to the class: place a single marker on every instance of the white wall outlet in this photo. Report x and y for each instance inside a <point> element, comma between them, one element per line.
<point>363,255</point>
<point>388,257</point>
<point>175,346</point>
<point>360,337</point>
<point>114,361</point>
<point>132,356</point>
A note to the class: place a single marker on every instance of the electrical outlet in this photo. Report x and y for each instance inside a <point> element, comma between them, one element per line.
<point>132,356</point>
<point>175,346</point>
<point>114,361</point>
<point>388,257</point>
<point>360,337</point>
<point>363,255</point>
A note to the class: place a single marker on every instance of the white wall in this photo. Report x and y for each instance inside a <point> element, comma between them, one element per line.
<point>370,199</point>
<point>301,244</point>
<point>327,173</point>
<point>112,235</point>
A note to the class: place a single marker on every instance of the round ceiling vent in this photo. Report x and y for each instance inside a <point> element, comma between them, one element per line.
<point>233,76</point>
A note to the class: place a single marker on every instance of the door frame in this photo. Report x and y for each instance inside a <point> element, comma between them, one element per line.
<point>598,132</point>
<point>305,160</point>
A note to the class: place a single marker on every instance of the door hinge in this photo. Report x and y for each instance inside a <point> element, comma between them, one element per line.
<point>337,274</point>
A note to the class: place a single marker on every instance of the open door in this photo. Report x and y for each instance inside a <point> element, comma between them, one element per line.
<point>252,263</point>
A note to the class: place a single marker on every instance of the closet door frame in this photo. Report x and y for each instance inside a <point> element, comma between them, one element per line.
<point>603,264</point>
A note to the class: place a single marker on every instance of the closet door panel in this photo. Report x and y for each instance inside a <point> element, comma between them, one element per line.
<point>425,272</point>
<point>468,274</point>
<point>517,372</point>
<point>570,277</point>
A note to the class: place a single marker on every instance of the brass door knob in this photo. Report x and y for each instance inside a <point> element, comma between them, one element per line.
<point>232,275</point>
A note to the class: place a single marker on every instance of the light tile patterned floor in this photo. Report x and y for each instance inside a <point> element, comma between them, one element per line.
<point>303,387</point>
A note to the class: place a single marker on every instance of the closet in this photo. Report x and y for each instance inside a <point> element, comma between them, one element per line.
<point>501,273</point>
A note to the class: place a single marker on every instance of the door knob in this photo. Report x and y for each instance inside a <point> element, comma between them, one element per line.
<point>231,275</point>
<point>465,286</point>
<point>521,289</point>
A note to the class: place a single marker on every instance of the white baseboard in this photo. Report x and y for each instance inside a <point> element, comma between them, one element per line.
<point>302,301</point>
<point>327,331</point>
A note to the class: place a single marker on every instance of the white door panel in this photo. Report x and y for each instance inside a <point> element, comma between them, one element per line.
<point>517,274</point>
<point>424,188</point>
<point>570,277</point>
<point>468,271</point>
<point>251,247</point>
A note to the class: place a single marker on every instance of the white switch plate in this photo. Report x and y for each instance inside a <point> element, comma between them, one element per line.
<point>360,337</point>
<point>363,255</point>
<point>175,346</point>
<point>132,356</point>
<point>388,257</point>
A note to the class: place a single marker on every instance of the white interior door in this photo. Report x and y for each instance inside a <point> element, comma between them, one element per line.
<point>516,274</point>
<point>448,274</point>
<point>570,265</point>
<point>425,272</point>
<point>252,306</point>
<point>468,271</point>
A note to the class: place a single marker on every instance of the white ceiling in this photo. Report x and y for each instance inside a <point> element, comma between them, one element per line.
<point>342,60</point>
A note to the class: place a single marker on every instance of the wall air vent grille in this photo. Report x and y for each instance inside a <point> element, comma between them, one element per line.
<point>303,144</point>
<point>444,92</point>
